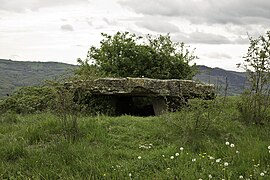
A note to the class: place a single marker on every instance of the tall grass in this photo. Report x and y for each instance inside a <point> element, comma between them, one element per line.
<point>205,140</point>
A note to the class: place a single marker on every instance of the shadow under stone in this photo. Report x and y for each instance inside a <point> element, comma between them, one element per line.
<point>135,106</point>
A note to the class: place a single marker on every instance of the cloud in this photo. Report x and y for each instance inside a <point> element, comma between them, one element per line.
<point>205,11</point>
<point>67,27</point>
<point>160,26</point>
<point>208,38</point>
<point>90,23</point>
<point>241,40</point>
<point>21,6</point>
<point>153,7</point>
<point>109,22</point>
<point>14,56</point>
<point>202,38</point>
<point>216,55</point>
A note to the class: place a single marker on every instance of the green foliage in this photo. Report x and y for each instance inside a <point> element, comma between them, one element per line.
<point>127,55</point>
<point>87,71</point>
<point>96,105</point>
<point>29,100</point>
<point>255,102</point>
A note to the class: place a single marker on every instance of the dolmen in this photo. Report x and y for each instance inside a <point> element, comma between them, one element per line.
<point>141,96</point>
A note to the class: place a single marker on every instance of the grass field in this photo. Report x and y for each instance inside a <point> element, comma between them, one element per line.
<point>204,141</point>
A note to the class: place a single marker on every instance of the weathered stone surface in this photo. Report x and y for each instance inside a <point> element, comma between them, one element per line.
<point>159,106</point>
<point>146,87</point>
<point>143,96</point>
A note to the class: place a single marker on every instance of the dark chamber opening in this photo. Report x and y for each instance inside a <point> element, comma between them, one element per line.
<point>135,106</point>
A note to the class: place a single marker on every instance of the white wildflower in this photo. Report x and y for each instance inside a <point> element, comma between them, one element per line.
<point>261,174</point>
<point>211,157</point>
<point>232,145</point>
<point>269,147</point>
<point>193,160</point>
<point>139,157</point>
<point>241,177</point>
<point>172,157</point>
<point>237,152</point>
<point>226,164</point>
<point>210,176</point>
<point>176,154</point>
<point>218,160</point>
<point>181,148</point>
<point>227,143</point>
<point>129,174</point>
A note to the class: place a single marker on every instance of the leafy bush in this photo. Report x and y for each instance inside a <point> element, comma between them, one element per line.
<point>127,55</point>
<point>29,100</point>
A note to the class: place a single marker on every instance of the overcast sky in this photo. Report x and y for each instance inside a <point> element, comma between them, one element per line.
<point>63,30</point>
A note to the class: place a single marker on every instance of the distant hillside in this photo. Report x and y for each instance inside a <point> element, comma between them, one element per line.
<point>217,76</point>
<point>15,74</point>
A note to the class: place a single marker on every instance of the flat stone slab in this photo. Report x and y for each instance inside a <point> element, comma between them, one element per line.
<point>145,87</point>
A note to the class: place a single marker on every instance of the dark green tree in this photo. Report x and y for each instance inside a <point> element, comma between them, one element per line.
<point>128,55</point>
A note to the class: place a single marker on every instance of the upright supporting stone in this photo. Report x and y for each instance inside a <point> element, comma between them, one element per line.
<point>159,105</point>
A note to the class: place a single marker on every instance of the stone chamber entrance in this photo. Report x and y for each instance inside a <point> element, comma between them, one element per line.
<point>136,106</point>
<point>141,105</point>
